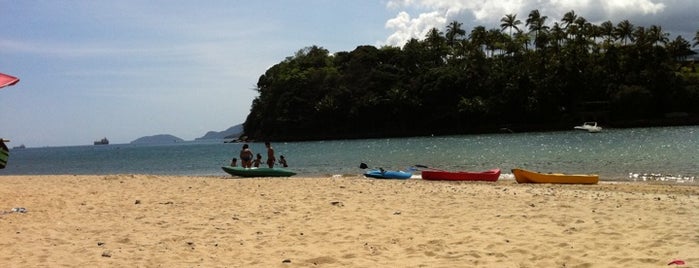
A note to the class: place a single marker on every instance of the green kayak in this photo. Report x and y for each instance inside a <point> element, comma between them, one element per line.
<point>258,172</point>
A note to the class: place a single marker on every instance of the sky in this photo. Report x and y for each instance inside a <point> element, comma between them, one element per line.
<point>130,68</point>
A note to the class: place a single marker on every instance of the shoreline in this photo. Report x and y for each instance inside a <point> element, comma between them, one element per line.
<point>214,221</point>
<point>647,178</point>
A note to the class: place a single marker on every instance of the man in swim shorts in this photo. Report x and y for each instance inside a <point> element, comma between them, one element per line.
<point>270,155</point>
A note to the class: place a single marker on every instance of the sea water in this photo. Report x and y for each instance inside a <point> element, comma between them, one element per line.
<point>637,154</point>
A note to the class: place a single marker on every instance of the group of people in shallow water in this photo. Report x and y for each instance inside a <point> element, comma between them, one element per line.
<point>247,161</point>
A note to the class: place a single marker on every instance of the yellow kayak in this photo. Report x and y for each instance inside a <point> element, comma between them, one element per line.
<point>526,176</point>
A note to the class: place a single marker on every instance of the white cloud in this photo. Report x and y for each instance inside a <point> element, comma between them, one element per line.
<point>406,27</point>
<point>632,6</point>
<point>414,16</point>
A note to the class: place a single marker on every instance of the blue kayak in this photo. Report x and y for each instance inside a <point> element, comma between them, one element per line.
<point>388,174</point>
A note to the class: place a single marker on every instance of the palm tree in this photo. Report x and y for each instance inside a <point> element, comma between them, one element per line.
<point>607,31</point>
<point>478,36</point>
<point>593,32</point>
<point>510,21</point>
<point>568,19</point>
<point>586,33</point>
<point>434,39</point>
<point>624,31</point>
<point>657,35</point>
<point>495,39</point>
<point>557,35</point>
<point>522,39</point>
<point>641,37</point>
<point>537,24</point>
<point>696,39</point>
<point>679,48</point>
<point>436,46</point>
<point>582,23</point>
<point>453,32</point>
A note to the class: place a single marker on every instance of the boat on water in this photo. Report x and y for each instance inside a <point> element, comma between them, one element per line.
<point>388,174</point>
<point>103,141</point>
<point>527,176</point>
<point>258,172</point>
<point>489,175</point>
<point>591,127</point>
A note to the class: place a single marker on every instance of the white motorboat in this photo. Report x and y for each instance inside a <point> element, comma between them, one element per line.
<point>590,127</point>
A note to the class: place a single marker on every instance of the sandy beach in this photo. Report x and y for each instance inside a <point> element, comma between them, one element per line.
<point>169,221</point>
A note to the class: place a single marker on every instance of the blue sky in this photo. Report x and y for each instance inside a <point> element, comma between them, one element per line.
<point>126,69</point>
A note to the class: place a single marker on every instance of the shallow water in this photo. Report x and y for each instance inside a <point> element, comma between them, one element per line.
<point>658,154</point>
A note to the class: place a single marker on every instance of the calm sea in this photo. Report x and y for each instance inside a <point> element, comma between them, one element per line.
<point>665,154</point>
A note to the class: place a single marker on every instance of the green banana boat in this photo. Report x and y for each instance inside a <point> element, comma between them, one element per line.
<point>4,154</point>
<point>258,172</point>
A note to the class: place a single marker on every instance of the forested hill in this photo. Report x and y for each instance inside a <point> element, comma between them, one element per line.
<point>527,74</point>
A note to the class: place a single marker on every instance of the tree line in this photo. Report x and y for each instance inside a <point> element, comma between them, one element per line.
<point>524,75</point>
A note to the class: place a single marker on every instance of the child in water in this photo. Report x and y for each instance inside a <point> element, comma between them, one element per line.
<point>234,162</point>
<point>257,161</point>
<point>282,161</point>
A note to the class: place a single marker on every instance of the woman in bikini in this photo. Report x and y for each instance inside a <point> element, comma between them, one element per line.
<point>246,157</point>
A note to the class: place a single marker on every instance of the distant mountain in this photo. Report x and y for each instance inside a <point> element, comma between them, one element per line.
<point>230,133</point>
<point>157,139</point>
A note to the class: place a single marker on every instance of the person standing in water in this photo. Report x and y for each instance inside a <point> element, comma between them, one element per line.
<point>270,155</point>
<point>246,157</point>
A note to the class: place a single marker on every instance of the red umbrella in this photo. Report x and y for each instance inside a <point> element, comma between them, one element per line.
<point>7,80</point>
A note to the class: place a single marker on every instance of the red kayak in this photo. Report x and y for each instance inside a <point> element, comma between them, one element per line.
<point>490,175</point>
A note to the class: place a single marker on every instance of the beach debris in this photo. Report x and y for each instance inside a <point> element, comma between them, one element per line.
<point>19,210</point>
<point>661,177</point>
<point>337,203</point>
<point>397,212</point>
<point>286,261</point>
<point>99,244</point>
<point>676,262</point>
<point>106,254</point>
<point>14,210</point>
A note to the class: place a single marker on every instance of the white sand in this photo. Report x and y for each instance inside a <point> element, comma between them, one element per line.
<point>162,221</point>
